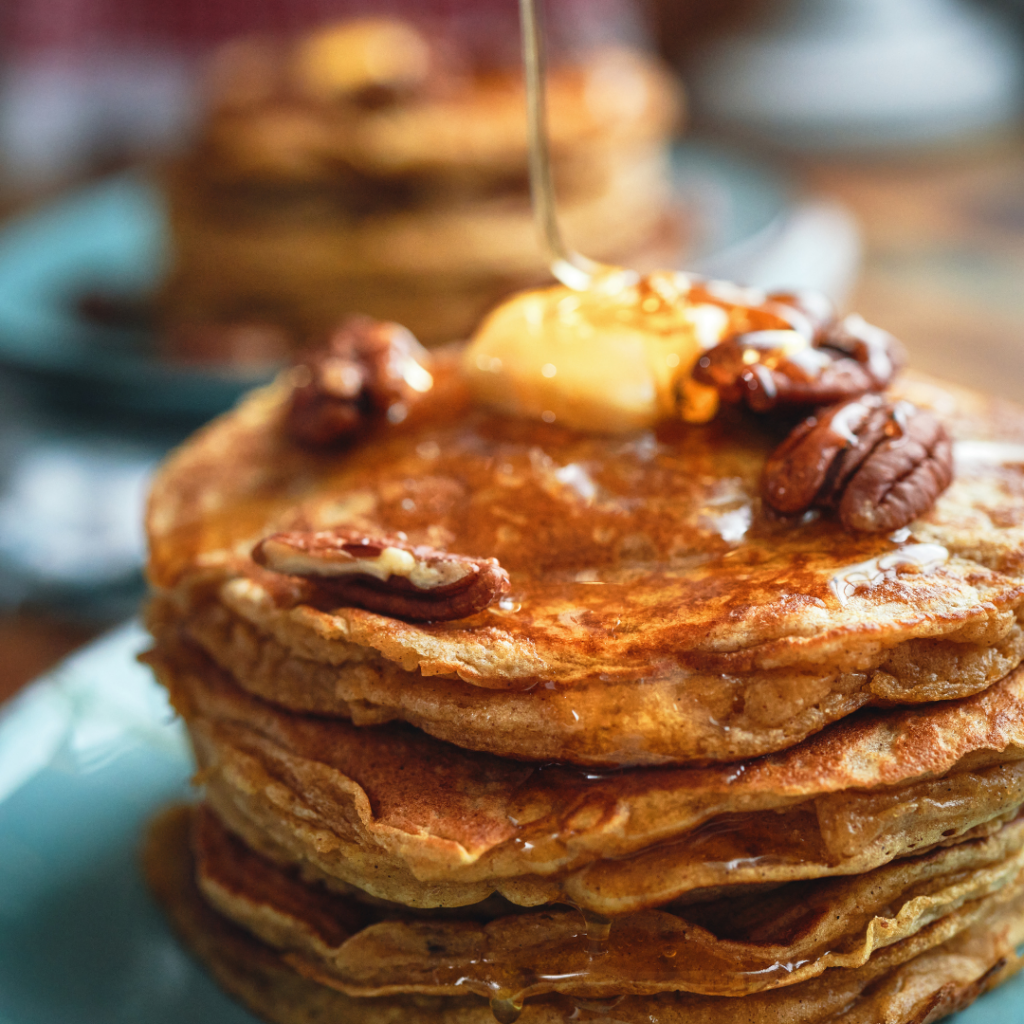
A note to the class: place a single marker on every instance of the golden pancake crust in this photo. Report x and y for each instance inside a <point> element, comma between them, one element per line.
<point>421,822</point>
<point>895,985</point>
<point>648,587</point>
<point>730,948</point>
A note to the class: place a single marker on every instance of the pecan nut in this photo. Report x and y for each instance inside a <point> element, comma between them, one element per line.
<point>386,574</point>
<point>814,362</point>
<point>369,371</point>
<point>879,465</point>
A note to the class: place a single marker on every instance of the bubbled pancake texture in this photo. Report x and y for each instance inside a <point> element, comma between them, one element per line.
<point>786,762</point>
<point>656,614</point>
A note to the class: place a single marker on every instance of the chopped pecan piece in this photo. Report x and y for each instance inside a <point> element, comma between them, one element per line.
<point>369,371</point>
<point>386,574</point>
<point>817,364</point>
<point>880,465</point>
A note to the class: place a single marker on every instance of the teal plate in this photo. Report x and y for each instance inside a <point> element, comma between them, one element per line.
<point>87,754</point>
<point>109,238</point>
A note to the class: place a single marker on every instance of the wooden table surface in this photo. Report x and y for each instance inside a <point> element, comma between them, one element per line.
<point>943,270</point>
<point>944,259</point>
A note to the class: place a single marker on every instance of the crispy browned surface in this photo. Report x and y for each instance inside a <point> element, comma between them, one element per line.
<point>900,984</point>
<point>599,721</point>
<point>418,821</point>
<point>632,559</point>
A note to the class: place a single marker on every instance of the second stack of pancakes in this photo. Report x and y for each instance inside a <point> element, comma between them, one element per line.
<point>696,765</point>
<point>370,167</point>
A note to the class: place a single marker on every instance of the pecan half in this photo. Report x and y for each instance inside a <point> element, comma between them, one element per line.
<point>880,465</point>
<point>386,574</point>
<point>815,362</point>
<point>370,370</point>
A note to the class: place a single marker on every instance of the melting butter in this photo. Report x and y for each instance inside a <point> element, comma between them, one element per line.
<point>614,358</point>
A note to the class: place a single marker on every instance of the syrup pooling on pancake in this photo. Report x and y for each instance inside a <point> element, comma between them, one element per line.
<point>638,557</point>
<point>671,515</point>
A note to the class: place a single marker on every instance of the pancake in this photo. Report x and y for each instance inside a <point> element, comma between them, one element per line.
<point>657,614</point>
<point>730,948</point>
<point>463,126</point>
<point>305,275</point>
<point>497,718</point>
<point>905,982</point>
<point>409,202</point>
<point>410,819</point>
<point>770,709</point>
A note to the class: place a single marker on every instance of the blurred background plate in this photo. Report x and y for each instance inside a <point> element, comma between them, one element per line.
<point>110,238</point>
<point>87,754</point>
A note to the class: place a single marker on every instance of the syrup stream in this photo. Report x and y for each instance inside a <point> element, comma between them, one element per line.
<point>575,271</point>
<point>598,929</point>
<point>571,268</point>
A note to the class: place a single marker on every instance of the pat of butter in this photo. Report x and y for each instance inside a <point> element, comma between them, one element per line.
<point>615,358</point>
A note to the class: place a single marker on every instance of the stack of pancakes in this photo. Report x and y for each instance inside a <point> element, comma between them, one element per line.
<point>698,766</point>
<point>401,191</point>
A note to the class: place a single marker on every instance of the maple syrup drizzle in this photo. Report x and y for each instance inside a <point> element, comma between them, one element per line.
<point>506,1008</point>
<point>598,929</point>
<point>573,269</point>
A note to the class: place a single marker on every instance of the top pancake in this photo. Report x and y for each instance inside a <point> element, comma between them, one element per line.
<point>640,565</point>
<point>461,128</point>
